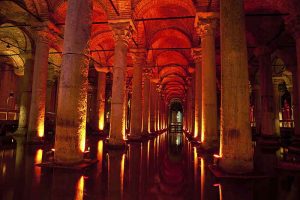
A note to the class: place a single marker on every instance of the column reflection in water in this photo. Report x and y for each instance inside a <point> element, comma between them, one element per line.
<point>116,170</point>
<point>135,170</point>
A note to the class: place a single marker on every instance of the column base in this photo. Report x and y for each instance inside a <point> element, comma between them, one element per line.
<point>115,144</point>
<point>235,166</point>
<point>135,138</point>
<point>269,142</point>
<point>209,148</point>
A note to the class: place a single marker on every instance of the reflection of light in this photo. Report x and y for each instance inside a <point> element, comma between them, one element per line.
<point>38,159</point>
<point>38,156</point>
<point>4,170</point>
<point>100,154</point>
<point>122,174</point>
<point>80,188</point>
<point>220,192</point>
<point>202,178</point>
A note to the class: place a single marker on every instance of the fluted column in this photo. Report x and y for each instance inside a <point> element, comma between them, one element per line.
<point>122,33</point>
<point>72,97</point>
<point>139,61</point>
<point>39,87</point>
<point>146,105</point>
<point>196,53</point>
<point>101,99</point>
<point>206,25</point>
<point>25,95</point>
<point>236,153</point>
<point>267,92</point>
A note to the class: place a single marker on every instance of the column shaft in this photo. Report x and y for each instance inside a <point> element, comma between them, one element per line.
<point>146,107</point>
<point>297,119</point>
<point>39,88</point>
<point>117,121</point>
<point>25,96</point>
<point>236,154</point>
<point>72,98</point>
<point>152,107</point>
<point>101,100</point>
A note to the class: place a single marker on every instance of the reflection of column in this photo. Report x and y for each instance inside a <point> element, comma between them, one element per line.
<point>25,95</point>
<point>39,88</point>
<point>135,170</point>
<point>257,107</point>
<point>198,92</point>
<point>206,29</point>
<point>138,57</point>
<point>276,108</point>
<point>122,34</point>
<point>72,98</point>
<point>116,167</point>
<point>266,88</point>
<point>236,142</point>
<point>146,106</point>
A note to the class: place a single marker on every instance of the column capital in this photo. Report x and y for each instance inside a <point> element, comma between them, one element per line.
<point>147,72</point>
<point>102,69</point>
<point>138,55</point>
<point>122,30</point>
<point>262,51</point>
<point>44,32</point>
<point>206,23</point>
<point>196,54</point>
<point>293,25</point>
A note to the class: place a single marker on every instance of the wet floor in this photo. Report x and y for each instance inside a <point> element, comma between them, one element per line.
<point>166,167</point>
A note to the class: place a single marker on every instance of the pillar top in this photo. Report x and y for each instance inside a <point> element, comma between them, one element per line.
<point>196,54</point>
<point>122,29</point>
<point>102,69</point>
<point>293,25</point>
<point>45,31</point>
<point>206,23</point>
<point>262,51</point>
<point>138,55</point>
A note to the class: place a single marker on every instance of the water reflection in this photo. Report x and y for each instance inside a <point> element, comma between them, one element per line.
<point>166,167</point>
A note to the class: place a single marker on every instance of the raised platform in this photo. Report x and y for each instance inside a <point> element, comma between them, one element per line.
<point>218,173</point>
<point>76,167</point>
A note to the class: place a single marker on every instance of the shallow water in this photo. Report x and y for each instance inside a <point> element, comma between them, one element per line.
<point>166,167</point>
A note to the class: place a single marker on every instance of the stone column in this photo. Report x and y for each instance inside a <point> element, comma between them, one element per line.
<point>25,95</point>
<point>196,53</point>
<point>236,152</point>
<point>146,107</point>
<point>297,38</point>
<point>257,107</point>
<point>206,25</point>
<point>152,107</point>
<point>276,107</point>
<point>139,61</point>
<point>101,100</point>
<point>122,34</point>
<point>266,87</point>
<point>73,85</point>
<point>39,87</point>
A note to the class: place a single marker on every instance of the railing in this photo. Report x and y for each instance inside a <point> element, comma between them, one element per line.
<point>9,114</point>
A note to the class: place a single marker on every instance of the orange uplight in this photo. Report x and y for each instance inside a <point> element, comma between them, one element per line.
<point>80,188</point>
<point>82,139</point>
<point>41,129</point>
<point>101,121</point>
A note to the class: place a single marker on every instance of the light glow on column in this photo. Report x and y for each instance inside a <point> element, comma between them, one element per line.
<point>122,174</point>
<point>101,121</point>
<point>41,129</point>
<point>80,188</point>
<point>196,129</point>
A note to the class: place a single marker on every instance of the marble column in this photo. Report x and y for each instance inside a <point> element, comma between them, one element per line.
<point>257,107</point>
<point>297,38</point>
<point>139,61</point>
<point>236,152</point>
<point>146,106</point>
<point>267,91</point>
<point>72,97</point>
<point>101,100</point>
<point>206,25</point>
<point>196,53</point>
<point>39,87</point>
<point>122,34</point>
<point>152,107</point>
<point>25,95</point>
